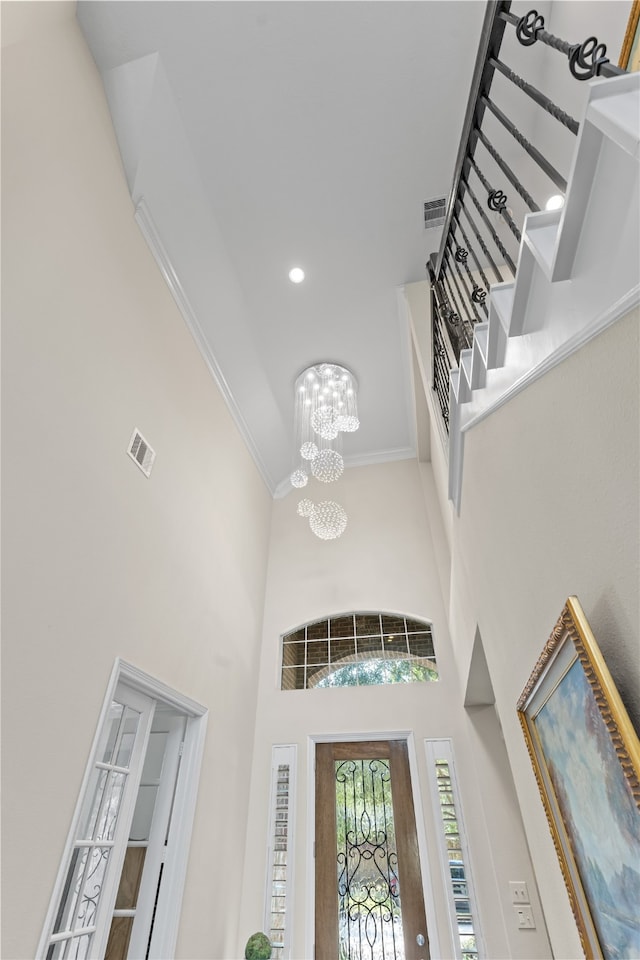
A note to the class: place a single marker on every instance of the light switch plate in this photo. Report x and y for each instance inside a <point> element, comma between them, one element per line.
<point>525,918</point>
<point>519,892</point>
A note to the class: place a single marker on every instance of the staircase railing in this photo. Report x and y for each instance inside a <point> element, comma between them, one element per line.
<point>481,234</point>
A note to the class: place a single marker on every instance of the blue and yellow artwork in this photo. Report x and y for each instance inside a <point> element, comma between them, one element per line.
<point>598,810</point>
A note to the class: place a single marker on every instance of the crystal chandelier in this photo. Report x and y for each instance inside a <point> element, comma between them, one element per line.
<point>326,407</point>
<point>327,519</point>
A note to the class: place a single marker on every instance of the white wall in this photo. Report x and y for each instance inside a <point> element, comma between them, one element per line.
<point>384,561</point>
<point>549,509</point>
<point>98,561</point>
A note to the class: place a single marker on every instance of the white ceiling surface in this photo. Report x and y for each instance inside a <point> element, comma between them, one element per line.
<point>258,136</point>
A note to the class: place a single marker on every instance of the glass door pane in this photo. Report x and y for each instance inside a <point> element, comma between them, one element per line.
<point>369,907</point>
<point>369,900</point>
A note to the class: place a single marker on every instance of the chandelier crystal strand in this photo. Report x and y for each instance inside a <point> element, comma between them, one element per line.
<point>309,450</point>
<point>328,466</point>
<point>326,407</point>
<point>328,520</point>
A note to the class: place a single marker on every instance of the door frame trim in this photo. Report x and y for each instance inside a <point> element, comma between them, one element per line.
<point>427,891</point>
<point>185,800</point>
<point>165,933</point>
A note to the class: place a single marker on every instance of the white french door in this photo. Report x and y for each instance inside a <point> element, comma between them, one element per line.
<point>119,888</point>
<point>80,924</point>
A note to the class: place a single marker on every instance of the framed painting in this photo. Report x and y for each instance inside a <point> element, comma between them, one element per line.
<point>586,758</point>
<point>630,53</point>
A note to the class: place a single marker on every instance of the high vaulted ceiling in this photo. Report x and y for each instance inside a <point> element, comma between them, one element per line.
<point>258,136</point>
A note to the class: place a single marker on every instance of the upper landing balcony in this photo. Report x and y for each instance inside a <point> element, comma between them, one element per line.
<point>517,284</point>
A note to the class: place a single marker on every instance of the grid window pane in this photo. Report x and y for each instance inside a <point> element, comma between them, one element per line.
<point>312,671</point>
<point>358,647</point>
<point>293,678</point>
<point>318,631</point>
<point>341,627</point>
<point>415,626</point>
<point>318,652</point>
<point>367,624</point>
<point>421,645</point>
<point>293,654</point>
<point>341,649</point>
<point>396,644</point>
<point>392,625</point>
<point>369,646</point>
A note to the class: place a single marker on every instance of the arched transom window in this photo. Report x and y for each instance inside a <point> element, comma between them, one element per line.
<point>358,649</point>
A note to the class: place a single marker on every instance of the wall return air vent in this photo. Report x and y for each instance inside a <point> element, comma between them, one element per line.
<point>141,453</point>
<point>434,213</point>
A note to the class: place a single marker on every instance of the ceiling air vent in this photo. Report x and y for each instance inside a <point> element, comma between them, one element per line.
<point>434,213</point>
<point>141,453</point>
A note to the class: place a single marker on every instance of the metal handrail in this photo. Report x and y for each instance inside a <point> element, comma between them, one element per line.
<point>491,35</point>
<point>458,293</point>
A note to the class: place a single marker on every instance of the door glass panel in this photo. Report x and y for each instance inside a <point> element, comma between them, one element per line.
<point>143,816</point>
<point>369,911</point>
<point>110,733</point>
<point>69,899</point>
<point>56,950</point>
<point>79,948</point>
<point>95,865</point>
<point>92,803</point>
<point>111,805</point>
<point>127,735</point>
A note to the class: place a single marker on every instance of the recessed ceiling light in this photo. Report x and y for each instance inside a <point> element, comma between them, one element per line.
<point>296,275</point>
<point>556,202</point>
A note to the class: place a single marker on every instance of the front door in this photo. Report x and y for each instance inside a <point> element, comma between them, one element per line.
<point>369,903</point>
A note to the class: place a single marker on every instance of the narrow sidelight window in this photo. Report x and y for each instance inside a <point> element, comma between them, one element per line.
<point>453,849</point>
<point>280,852</point>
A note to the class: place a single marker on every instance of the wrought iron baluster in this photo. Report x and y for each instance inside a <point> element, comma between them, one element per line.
<point>530,29</point>
<point>456,324</point>
<point>553,109</point>
<point>489,225</point>
<point>454,320</point>
<point>508,172</point>
<point>448,314</point>
<point>468,292</point>
<point>533,152</point>
<point>494,193</point>
<point>483,245</point>
<point>469,247</point>
<point>441,371</point>
<point>466,321</point>
<point>478,295</point>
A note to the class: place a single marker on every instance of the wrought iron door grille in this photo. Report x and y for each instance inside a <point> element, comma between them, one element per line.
<point>369,912</point>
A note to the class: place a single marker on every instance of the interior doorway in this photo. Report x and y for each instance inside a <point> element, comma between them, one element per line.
<point>119,887</point>
<point>369,899</point>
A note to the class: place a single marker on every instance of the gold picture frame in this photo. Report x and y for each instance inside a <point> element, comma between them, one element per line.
<point>586,758</point>
<point>630,53</point>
